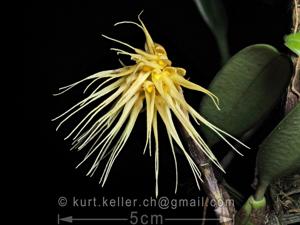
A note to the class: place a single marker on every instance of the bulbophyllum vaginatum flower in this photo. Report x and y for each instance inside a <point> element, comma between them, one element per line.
<point>151,83</point>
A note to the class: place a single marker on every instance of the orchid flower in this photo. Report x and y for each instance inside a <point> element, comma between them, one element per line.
<point>151,83</point>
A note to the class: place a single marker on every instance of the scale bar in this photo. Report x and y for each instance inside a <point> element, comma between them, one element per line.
<point>71,219</point>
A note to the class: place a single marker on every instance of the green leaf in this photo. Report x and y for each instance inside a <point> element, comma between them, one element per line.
<point>279,154</point>
<point>292,41</point>
<point>214,14</point>
<point>248,87</point>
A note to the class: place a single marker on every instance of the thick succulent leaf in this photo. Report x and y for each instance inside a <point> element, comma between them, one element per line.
<point>292,41</point>
<point>279,154</point>
<point>214,14</point>
<point>248,87</point>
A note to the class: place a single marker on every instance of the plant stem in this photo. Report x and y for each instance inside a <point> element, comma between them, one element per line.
<point>210,185</point>
<point>260,191</point>
<point>293,95</point>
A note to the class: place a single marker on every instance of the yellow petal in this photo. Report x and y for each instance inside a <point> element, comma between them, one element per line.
<point>155,132</point>
<point>190,85</point>
<point>123,139</point>
<point>166,116</point>
<point>149,41</point>
<point>150,100</point>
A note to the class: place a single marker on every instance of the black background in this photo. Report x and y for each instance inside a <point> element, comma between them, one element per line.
<point>63,44</point>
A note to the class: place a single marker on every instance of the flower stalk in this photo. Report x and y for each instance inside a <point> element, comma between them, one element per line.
<point>211,187</point>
